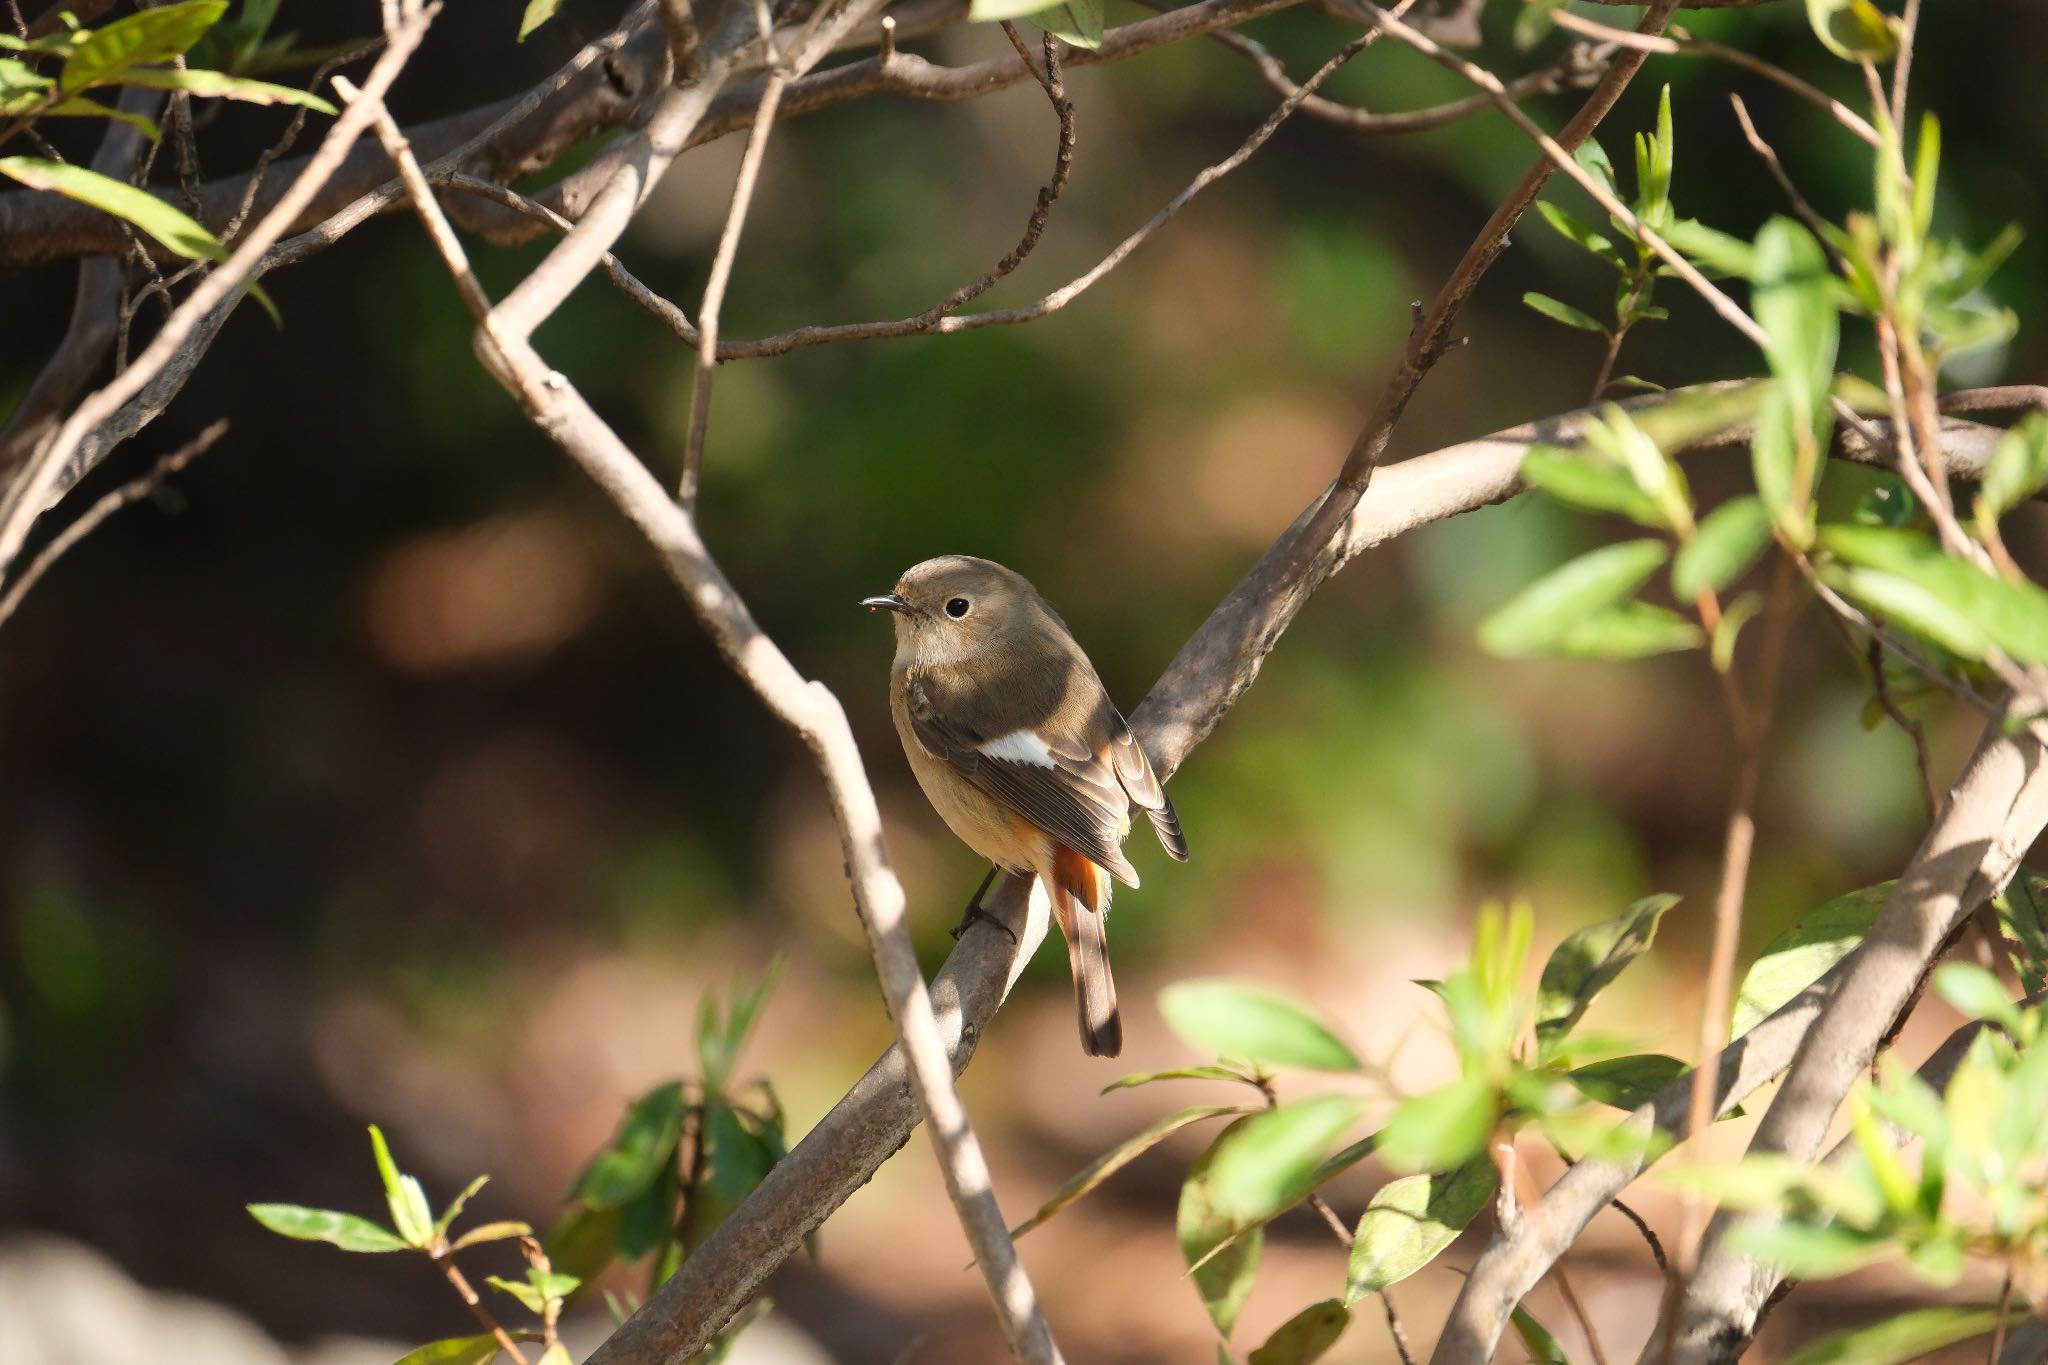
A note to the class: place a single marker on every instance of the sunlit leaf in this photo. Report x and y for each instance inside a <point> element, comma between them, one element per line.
<point>1179,1073</point>
<point>1442,1129</point>
<point>169,226</point>
<point>1977,994</point>
<point>1223,1256</point>
<point>1235,1019</point>
<point>1626,1082</point>
<point>1410,1221</point>
<point>1806,1251</point>
<point>220,85</point>
<point>409,1211</point>
<point>453,1351</point>
<point>537,12</point>
<point>1854,30</point>
<point>1543,1348</point>
<point>1540,617</point>
<point>1951,600</point>
<point>1580,233</point>
<point>1078,22</point>
<point>2018,467</point>
<point>490,1232</point>
<point>344,1230</point>
<point>1559,311</point>
<point>1633,630</point>
<point>1582,480</point>
<point>79,106</point>
<point>152,35</point>
<point>1908,1336</point>
<point>1263,1164</point>
<point>1800,956</point>
<point>455,1205</point>
<point>1728,541</point>
<point>1118,1157</point>
<point>1587,962</point>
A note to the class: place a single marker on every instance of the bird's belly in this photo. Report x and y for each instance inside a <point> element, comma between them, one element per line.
<point>981,822</point>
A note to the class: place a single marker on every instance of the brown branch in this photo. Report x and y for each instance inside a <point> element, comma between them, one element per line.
<point>808,709</point>
<point>134,491</point>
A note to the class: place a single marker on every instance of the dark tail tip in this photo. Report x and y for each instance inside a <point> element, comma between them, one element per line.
<point>1104,1038</point>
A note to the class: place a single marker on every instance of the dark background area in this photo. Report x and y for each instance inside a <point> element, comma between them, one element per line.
<point>374,772</point>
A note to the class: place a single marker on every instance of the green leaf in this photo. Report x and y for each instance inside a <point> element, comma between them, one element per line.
<point>520,1290</point>
<point>153,35</point>
<point>1562,312</point>
<point>1118,1157</point>
<point>1626,1082</point>
<point>1534,22</point>
<point>1805,1251</point>
<point>1633,630</point>
<point>1235,1019</point>
<point>78,106</point>
<point>453,1351</point>
<point>1580,233</point>
<point>584,1240</point>
<point>220,85</point>
<point>1854,30</point>
<point>1410,1222</point>
<point>1543,1348</point>
<point>1305,1336</point>
<point>1955,602</point>
<point>1593,159</point>
<point>1588,961</point>
<point>1078,22</point>
<point>1538,619</point>
<point>1794,299</point>
<point>490,1232</point>
<point>1734,616</point>
<point>1263,1165</point>
<point>410,1213</point>
<point>1223,1258</point>
<point>454,1209</point>
<point>644,1144</point>
<point>1728,541</point>
<point>170,227</point>
<point>719,1044</point>
<point>732,1160</point>
<point>2018,467</point>
<point>1801,955</point>
<point>2023,911</point>
<point>1443,1129</point>
<point>538,12</point>
<point>1183,1073</point>
<point>1908,1336</point>
<point>647,1222</point>
<point>344,1230</point>
<point>1653,167</point>
<point>1579,479</point>
<point>1977,994</point>
<point>1713,250</point>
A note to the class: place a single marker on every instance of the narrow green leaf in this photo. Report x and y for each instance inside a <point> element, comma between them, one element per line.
<point>1539,617</point>
<point>1728,541</point>
<point>1118,1157</point>
<point>344,1230</point>
<point>1078,22</point>
<point>584,1240</point>
<point>1734,616</point>
<point>1587,962</point>
<point>1854,30</point>
<point>1235,1019</point>
<point>1557,311</point>
<point>2023,911</point>
<point>1543,1348</point>
<point>1626,1082</point>
<point>1949,591</point>
<point>1926,167</point>
<point>645,1142</point>
<point>409,1211</point>
<point>490,1232</point>
<point>1593,159</point>
<point>220,85</point>
<point>170,227</point>
<point>1806,1251</point>
<point>1977,994</point>
<point>1801,955</point>
<point>1305,1336</point>
<point>153,35</point>
<point>1580,233</point>
<point>1410,1221</point>
<point>1263,1165</point>
<point>1443,1129</point>
<point>1633,630</point>
<point>527,1295</point>
<point>454,1209</point>
<point>1223,1257</point>
<point>2018,467</point>
<point>1905,1337</point>
<point>1712,249</point>
<point>537,12</point>
<point>1182,1073</point>
<point>1580,479</point>
<point>453,1351</point>
<point>733,1160</point>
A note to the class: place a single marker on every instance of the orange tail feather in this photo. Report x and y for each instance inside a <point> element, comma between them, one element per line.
<point>1080,902</point>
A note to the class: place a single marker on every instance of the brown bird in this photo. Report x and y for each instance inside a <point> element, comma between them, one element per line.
<point>1020,750</point>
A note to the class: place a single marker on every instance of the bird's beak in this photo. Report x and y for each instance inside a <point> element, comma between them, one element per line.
<point>888,601</point>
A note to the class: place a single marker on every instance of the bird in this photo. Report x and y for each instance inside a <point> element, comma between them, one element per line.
<point>1017,745</point>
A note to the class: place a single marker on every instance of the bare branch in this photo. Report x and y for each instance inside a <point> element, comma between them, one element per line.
<point>134,491</point>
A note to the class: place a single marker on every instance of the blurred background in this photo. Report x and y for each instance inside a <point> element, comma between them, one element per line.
<point>374,772</point>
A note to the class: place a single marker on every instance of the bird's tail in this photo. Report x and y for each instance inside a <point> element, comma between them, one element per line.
<point>1079,891</point>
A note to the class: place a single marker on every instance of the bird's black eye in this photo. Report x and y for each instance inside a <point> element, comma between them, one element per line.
<point>957,607</point>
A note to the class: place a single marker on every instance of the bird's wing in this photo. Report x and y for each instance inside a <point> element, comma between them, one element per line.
<point>1134,771</point>
<point>1011,747</point>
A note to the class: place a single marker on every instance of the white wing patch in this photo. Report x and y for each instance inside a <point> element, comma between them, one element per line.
<point>1019,746</point>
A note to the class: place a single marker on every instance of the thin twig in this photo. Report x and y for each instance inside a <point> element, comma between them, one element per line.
<point>476,1306</point>
<point>721,264</point>
<point>1769,156</point>
<point>1874,658</point>
<point>134,491</point>
<point>1331,1220</point>
<point>1396,1331</point>
<point>807,708</point>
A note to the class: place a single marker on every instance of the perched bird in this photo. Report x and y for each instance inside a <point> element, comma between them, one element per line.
<point>1017,745</point>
